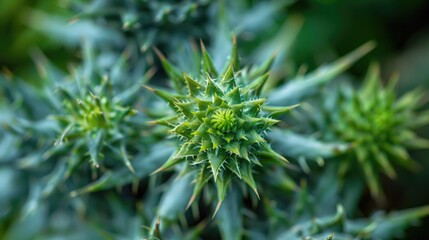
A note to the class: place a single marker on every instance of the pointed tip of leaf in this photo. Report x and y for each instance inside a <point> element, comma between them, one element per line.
<point>159,53</point>
<point>157,171</point>
<point>131,168</point>
<point>256,192</point>
<point>203,48</point>
<point>295,106</point>
<point>275,53</point>
<point>215,174</point>
<point>153,122</point>
<point>92,187</point>
<point>219,204</point>
<point>368,46</point>
<point>149,88</point>
<point>156,229</point>
<point>191,200</point>
<point>149,74</point>
<point>74,193</point>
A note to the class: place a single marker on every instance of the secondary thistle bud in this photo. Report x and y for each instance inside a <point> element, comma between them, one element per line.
<point>378,127</point>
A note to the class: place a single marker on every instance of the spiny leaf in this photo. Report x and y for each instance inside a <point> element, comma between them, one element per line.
<point>233,58</point>
<point>169,121</point>
<point>390,225</point>
<point>212,88</point>
<point>228,78</point>
<point>208,65</point>
<point>229,217</point>
<point>234,95</point>
<point>222,188</point>
<point>94,146</point>
<point>371,179</point>
<point>256,85</point>
<point>264,68</point>
<point>254,137</point>
<point>216,160</point>
<point>384,163</point>
<point>194,87</point>
<point>246,173</point>
<point>270,153</point>
<point>126,160</point>
<point>170,162</point>
<point>169,97</point>
<point>294,90</point>
<point>202,178</point>
<point>186,108</point>
<point>276,111</point>
<point>174,200</point>
<point>143,164</point>
<point>233,147</point>
<point>371,82</point>
<point>171,71</point>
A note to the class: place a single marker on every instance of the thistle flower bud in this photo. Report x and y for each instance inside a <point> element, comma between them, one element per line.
<point>221,122</point>
<point>378,127</point>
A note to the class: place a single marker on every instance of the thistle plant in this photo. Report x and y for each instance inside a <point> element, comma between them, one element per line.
<point>96,122</point>
<point>93,111</point>
<point>70,118</point>
<point>377,126</point>
<point>221,122</point>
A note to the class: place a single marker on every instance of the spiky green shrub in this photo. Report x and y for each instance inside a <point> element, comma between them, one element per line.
<point>221,122</point>
<point>71,130</point>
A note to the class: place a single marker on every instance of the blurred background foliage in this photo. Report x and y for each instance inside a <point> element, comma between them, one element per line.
<point>330,29</point>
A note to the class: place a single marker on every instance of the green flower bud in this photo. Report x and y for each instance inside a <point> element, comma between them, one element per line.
<point>221,122</point>
<point>378,127</point>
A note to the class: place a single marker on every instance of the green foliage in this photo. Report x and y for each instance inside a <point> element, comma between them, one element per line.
<point>80,149</point>
<point>57,127</point>
<point>302,86</point>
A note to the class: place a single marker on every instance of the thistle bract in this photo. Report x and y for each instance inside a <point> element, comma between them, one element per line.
<point>221,122</point>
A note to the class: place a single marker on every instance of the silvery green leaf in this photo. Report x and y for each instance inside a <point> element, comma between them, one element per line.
<point>229,217</point>
<point>295,145</point>
<point>294,90</point>
<point>143,164</point>
<point>393,225</point>
<point>174,200</point>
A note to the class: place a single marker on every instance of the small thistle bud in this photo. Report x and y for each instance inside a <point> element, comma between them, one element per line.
<point>377,126</point>
<point>221,121</point>
<point>95,118</point>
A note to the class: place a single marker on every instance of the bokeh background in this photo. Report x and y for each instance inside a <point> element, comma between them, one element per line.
<point>331,28</point>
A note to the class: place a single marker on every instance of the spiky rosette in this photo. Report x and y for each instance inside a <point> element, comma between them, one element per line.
<point>221,122</point>
<point>96,119</point>
<point>378,127</point>
<point>89,111</point>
